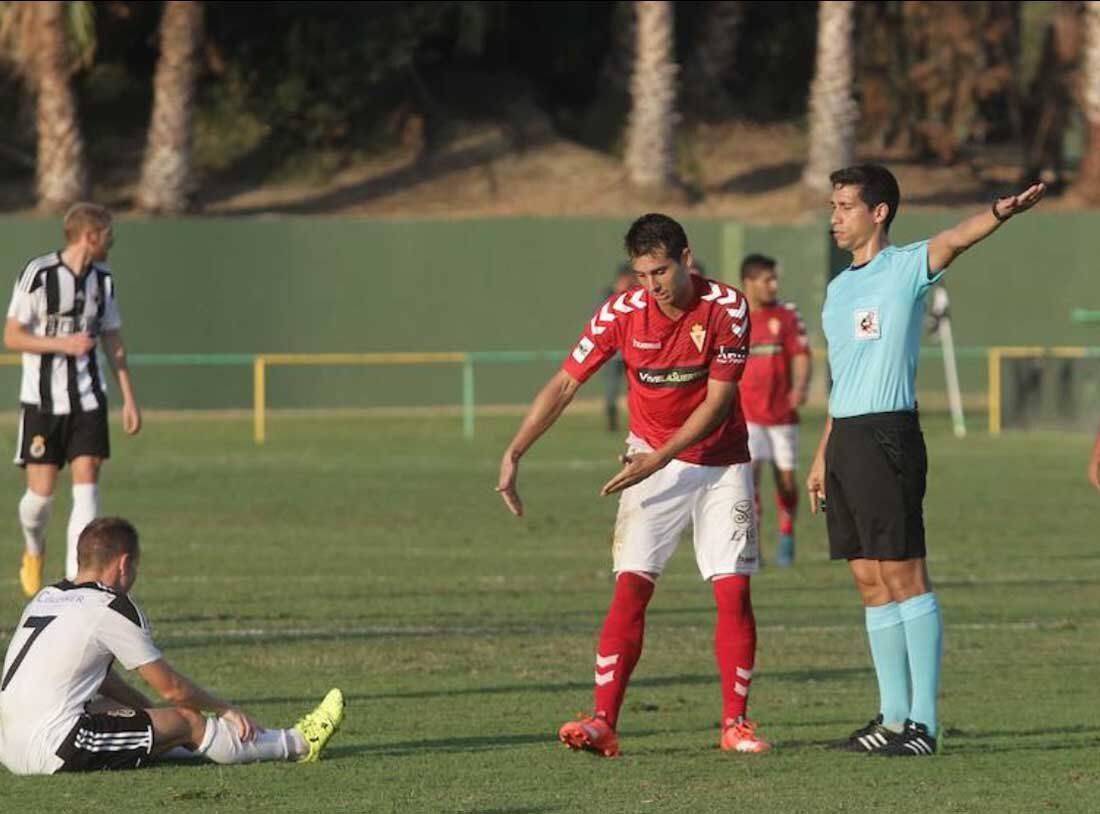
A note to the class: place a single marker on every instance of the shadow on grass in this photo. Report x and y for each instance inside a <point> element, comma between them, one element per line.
<point>993,741</point>
<point>682,680</point>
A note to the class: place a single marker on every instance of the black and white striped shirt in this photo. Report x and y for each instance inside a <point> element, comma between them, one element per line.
<point>64,645</point>
<point>50,300</point>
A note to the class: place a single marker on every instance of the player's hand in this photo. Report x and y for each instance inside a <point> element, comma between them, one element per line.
<point>815,483</point>
<point>131,418</point>
<point>506,484</point>
<point>637,466</point>
<point>796,398</point>
<point>77,344</point>
<point>1015,204</point>
<point>247,727</point>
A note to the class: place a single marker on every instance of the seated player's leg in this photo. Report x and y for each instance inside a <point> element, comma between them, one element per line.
<point>784,443</point>
<point>650,518</point>
<point>727,553</point>
<point>119,739</point>
<point>219,739</point>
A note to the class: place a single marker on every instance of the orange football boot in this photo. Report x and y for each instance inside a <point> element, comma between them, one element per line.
<point>592,734</point>
<point>739,735</point>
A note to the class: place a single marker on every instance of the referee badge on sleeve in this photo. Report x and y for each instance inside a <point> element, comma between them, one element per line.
<point>38,446</point>
<point>867,323</point>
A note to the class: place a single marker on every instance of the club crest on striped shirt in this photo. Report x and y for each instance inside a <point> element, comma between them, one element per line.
<point>698,334</point>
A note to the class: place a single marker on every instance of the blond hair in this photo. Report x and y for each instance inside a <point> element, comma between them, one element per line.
<point>83,217</point>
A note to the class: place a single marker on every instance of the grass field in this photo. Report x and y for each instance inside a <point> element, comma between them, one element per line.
<point>372,554</point>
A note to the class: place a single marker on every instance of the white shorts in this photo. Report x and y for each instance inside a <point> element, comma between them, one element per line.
<point>716,500</point>
<point>777,443</point>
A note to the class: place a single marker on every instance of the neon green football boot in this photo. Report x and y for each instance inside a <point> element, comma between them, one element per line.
<point>320,724</point>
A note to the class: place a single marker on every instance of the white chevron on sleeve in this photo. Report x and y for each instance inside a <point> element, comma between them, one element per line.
<point>638,300</point>
<point>596,329</point>
<point>605,314</point>
<point>730,298</point>
<point>739,312</point>
<point>606,661</point>
<point>621,306</point>
<point>715,293</point>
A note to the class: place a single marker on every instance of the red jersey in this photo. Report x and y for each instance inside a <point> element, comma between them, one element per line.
<point>777,336</point>
<point>669,361</point>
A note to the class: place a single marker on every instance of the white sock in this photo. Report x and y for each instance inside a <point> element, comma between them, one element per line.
<point>222,744</point>
<point>85,509</point>
<point>34,513</point>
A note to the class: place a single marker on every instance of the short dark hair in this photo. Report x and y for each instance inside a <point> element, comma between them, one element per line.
<point>104,540</point>
<point>655,232</point>
<point>876,185</point>
<point>755,264</point>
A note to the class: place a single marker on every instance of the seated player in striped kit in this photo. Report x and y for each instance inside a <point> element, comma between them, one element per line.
<point>62,654</point>
<point>871,465</point>
<point>684,341</point>
<point>62,307</point>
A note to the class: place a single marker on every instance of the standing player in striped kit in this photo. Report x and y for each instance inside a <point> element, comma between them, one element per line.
<point>63,306</point>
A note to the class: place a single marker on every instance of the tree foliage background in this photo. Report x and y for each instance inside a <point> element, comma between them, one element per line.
<point>285,84</point>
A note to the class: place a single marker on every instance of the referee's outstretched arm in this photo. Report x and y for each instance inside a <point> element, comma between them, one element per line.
<point>949,244</point>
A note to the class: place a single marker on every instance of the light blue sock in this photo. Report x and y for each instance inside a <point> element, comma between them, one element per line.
<point>886,633</point>
<point>924,639</point>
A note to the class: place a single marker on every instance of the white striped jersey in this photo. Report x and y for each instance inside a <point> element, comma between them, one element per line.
<point>50,300</point>
<point>67,639</point>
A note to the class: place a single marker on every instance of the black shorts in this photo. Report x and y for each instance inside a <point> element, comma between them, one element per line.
<point>876,472</point>
<point>119,739</point>
<point>57,439</point>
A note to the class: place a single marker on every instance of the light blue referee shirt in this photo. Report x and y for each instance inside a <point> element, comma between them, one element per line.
<point>873,320</point>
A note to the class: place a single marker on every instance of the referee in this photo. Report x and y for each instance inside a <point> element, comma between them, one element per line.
<point>871,461</point>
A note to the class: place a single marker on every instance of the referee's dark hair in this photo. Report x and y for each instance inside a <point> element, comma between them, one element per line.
<point>756,264</point>
<point>104,540</point>
<point>655,232</point>
<point>876,185</point>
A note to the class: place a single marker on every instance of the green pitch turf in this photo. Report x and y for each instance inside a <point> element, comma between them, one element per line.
<point>372,554</point>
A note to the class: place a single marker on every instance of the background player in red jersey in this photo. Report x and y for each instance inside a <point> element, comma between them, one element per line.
<point>1094,463</point>
<point>684,341</point>
<point>775,385</point>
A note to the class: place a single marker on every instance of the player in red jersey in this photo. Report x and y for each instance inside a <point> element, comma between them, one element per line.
<point>684,341</point>
<point>775,385</point>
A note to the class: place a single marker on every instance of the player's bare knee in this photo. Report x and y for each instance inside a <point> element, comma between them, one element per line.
<point>86,469</point>
<point>905,579</point>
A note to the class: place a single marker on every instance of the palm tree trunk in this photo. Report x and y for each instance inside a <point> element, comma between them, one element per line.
<point>166,173</point>
<point>833,112</point>
<point>1088,181</point>
<point>649,141</point>
<point>61,172</point>
<point>711,62</point>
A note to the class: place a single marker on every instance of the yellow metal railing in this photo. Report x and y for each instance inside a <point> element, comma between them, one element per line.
<point>998,353</point>
<point>264,360</point>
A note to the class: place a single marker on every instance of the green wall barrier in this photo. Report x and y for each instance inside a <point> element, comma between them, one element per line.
<point>251,285</point>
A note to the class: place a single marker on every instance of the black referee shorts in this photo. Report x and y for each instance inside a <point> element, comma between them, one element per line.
<point>120,739</point>
<point>45,438</point>
<point>876,473</point>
